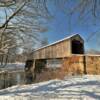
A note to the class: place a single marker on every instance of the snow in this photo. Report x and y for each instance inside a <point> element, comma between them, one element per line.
<point>13,66</point>
<point>86,87</point>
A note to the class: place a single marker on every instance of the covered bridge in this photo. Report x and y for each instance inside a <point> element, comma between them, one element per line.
<point>66,56</point>
<point>52,54</point>
<point>73,44</point>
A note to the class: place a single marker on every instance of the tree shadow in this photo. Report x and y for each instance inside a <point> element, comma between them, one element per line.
<point>56,86</point>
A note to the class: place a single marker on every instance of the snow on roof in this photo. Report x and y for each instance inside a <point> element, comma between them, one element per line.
<point>66,38</point>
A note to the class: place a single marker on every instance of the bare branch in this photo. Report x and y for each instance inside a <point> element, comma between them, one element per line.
<point>14,14</point>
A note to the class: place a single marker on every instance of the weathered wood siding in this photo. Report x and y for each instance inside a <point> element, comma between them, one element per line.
<point>73,65</point>
<point>59,50</point>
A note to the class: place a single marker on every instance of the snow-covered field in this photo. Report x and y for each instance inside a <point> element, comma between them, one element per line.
<point>71,88</point>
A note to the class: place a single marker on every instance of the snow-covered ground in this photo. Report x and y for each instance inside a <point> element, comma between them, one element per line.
<point>85,87</point>
<point>13,66</point>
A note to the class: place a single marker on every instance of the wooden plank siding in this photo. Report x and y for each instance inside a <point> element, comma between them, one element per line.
<point>59,49</point>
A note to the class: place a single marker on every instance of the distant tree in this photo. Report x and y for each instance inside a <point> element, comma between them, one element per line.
<point>44,42</point>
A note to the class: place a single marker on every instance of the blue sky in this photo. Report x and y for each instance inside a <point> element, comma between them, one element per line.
<point>61,26</point>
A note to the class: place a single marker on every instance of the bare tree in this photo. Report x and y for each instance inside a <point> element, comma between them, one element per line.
<point>21,24</point>
<point>22,20</point>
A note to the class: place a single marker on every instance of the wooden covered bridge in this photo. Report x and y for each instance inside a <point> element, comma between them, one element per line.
<point>52,55</point>
<point>73,44</point>
<point>68,51</point>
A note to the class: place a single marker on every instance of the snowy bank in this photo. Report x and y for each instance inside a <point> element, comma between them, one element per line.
<point>78,88</point>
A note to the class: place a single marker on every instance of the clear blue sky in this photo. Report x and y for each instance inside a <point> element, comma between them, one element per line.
<point>60,26</point>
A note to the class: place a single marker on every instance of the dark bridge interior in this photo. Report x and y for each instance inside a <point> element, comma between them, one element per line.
<point>29,64</point>
<point>77,47</point>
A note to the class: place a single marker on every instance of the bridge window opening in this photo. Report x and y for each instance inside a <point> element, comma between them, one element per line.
<point>29,64</point>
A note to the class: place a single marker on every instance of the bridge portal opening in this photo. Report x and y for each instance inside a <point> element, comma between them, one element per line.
<point>77,47</point>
